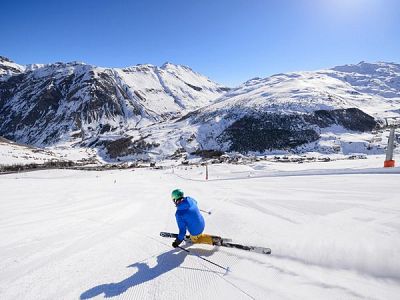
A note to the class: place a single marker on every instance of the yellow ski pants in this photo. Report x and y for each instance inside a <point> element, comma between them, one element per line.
<point>202,239</point>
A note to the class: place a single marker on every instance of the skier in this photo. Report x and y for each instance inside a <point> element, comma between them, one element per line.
<point>188,217</point>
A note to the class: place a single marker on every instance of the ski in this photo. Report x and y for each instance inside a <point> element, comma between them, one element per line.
<point>223,242</point>
<point>173,235</point>
<point>216,239</point>
<point>256,249</point>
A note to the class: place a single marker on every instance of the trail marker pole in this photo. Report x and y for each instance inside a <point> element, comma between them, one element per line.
<point>389,161</point>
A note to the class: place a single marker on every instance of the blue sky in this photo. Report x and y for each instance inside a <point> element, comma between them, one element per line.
<point>230,41</point>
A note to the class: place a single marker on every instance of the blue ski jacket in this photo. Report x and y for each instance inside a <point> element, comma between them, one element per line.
<point>189,218</point>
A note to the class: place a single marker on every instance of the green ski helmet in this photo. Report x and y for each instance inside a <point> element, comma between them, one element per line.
<point>176,195</point>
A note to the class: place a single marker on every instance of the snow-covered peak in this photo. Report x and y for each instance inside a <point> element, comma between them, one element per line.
<point>32,67</point>
<point>183,72</point>
<point>371,69</point>
<point>174,67</point>
<point>60,70</point>
<point>8,67</point>
<point>381,79</point>
<point>170,88</point>
<point>4,59</point>
<point>139,68</point>
<point>252,81</point>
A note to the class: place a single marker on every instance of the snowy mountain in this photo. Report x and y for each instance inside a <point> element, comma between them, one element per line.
<point>153,112</point>
<point>334,110</point>
<point>48,104</point>
<point>8,67</point>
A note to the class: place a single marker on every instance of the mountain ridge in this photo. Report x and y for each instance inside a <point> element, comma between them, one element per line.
<point>145,109</point>
<point>78,96</point>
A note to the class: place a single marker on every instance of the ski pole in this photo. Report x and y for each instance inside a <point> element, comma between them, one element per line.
<point>208,212</point>
<point>226,269</point>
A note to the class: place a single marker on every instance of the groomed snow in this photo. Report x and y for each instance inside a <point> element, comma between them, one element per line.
<point>94,235</point>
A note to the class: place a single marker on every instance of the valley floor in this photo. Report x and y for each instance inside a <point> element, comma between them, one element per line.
<point>334,231</point>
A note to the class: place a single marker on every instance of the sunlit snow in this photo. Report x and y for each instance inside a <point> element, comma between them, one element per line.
<point>333,228</point>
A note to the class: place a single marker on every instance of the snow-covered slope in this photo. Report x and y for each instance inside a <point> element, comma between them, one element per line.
<point>12,153</point>
<point>60,102</point>
<point>373,88</point>
<point>92,235</point>
<point>381,78</point>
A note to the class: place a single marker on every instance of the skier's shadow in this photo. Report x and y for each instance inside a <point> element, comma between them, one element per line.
<point>165,262</point>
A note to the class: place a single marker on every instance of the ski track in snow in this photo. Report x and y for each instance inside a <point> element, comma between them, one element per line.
<point>93,235</point>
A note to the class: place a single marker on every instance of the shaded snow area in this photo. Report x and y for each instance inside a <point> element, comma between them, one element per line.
<point>334,231</point>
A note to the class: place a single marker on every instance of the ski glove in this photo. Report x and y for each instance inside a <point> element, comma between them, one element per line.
<point>176,243</point>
